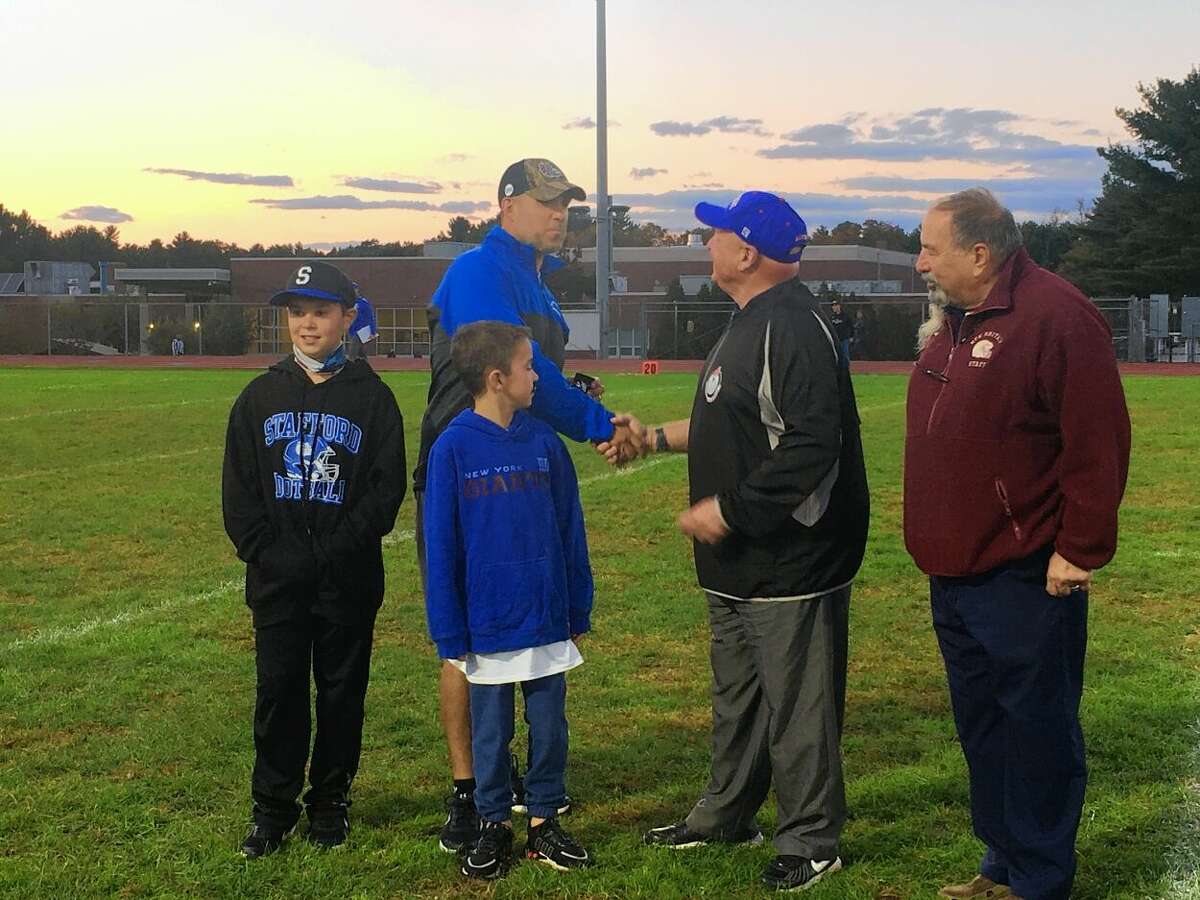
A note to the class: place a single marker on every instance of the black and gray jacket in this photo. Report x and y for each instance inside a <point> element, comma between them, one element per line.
<point>314,475</point>
<point>775,436</point>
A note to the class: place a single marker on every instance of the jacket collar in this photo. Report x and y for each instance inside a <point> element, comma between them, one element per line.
<point>761,299</point>
<point>1000,296</point>
<point>500,241</point>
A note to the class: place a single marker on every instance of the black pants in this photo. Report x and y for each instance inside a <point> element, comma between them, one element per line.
<point>288,655</point>
<point>1014,660</point>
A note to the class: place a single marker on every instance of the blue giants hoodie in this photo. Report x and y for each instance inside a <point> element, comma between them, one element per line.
<point>505,545</point>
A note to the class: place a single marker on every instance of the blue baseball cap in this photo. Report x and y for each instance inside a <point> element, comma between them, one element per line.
<point>764,221</point>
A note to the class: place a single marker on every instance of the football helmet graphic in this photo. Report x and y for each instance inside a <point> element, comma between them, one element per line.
<point>313,455</point>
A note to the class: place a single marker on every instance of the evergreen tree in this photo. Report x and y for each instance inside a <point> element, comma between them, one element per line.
<point>1143,233</point>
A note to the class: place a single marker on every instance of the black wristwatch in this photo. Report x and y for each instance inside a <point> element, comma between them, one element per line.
<point>660,441</point>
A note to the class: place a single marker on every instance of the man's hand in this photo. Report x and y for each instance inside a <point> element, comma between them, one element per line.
<point>1064,578</point>
<point>629,441</point>
<point>595,390</point>
<point>703,522</point>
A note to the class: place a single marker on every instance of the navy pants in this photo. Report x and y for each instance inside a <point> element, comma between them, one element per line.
<point>492,714</point>
<point>1014,662</point>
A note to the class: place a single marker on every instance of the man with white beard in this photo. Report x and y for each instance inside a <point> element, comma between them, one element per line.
<point>1016,454</point>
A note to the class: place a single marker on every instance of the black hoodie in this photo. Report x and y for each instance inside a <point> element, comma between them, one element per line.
<point>307,516</point>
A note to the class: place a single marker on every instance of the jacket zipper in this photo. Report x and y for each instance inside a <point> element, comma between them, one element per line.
<point>944,380</point>
<point>956,338</point>
<point>1003,495</point>
<point>716,350</point>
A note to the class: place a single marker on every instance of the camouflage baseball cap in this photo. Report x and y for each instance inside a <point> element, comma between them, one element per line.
<point>539,178</point>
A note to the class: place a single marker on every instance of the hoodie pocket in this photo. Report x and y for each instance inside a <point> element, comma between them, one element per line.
<point>509,596</point>
<point>1012,520</point>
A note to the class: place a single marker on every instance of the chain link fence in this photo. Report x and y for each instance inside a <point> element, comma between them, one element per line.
<point>640,328</point>
<point>77,326</point>
<point>883,329</point>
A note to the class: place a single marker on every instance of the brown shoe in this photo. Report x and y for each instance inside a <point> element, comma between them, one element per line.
<point>978,888</point>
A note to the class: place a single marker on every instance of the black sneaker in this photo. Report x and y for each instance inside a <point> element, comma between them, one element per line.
<point>461,828</point>
<point>518,785</point>
<point>680,837</point>
<point>795,873</point>
<point>263,840</point>
<point>491,854</point>
<point>550,844</point>
<point>328,827</point>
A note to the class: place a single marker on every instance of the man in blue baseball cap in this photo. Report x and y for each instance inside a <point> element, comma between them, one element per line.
<point>779,520</point>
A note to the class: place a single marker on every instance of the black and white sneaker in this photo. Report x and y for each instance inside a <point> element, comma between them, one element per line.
<point>550,844</point>
<point>680,837</point>
<point>328,827</point>
<point>518,785</point>
<point>795,873</point>
<point>461,828</point>
<point>491,854</point>
<point>263,840</point>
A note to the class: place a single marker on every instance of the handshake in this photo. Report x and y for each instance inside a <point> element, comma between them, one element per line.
<point>703,520</point>
<point>630,440</point>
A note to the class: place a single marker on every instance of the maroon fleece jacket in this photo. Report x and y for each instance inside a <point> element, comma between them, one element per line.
<point>1018,433</point>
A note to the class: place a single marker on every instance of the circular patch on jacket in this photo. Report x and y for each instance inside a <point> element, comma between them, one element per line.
<point>712,385</point>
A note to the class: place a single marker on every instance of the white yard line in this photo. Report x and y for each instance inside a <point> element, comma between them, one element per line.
<point>642,391</point>
<point>892,405</point>
<point>1184,857</point>
<point>116,461</point>
<point>398,537</point>
<point>630,470</point>
<point>66,634</point>
<point>102,410</point>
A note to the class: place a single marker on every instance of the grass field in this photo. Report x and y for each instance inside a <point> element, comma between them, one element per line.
<point>127,685</point>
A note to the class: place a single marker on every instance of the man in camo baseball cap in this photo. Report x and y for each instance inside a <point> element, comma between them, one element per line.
<point>539,178</point>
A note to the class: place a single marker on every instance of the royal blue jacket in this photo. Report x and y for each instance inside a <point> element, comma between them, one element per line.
<point>499,281</point>
<point>504,538</point>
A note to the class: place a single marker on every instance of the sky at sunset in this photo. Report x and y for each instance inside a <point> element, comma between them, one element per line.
<point>323,123</point>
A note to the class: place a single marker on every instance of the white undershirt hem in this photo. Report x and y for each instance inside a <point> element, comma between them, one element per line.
<point>512,666</point>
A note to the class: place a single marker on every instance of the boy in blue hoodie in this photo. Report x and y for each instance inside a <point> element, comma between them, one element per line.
<point>509,588</point>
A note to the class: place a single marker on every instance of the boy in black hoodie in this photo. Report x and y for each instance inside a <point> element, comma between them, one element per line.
<point>313,478</point>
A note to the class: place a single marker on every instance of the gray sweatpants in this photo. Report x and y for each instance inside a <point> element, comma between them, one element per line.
<point>778,699</point>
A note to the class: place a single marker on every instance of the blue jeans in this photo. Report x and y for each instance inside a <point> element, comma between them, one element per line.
<point>491,733</point>
<point>1014,662</point>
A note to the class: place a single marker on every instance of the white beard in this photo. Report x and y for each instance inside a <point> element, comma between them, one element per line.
<point>938,301</point>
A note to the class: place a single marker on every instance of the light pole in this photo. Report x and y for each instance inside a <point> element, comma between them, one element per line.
<point>613,212</point>
<point>603,215</point>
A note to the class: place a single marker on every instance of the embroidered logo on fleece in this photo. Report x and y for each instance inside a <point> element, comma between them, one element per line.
<point>983,348</point>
